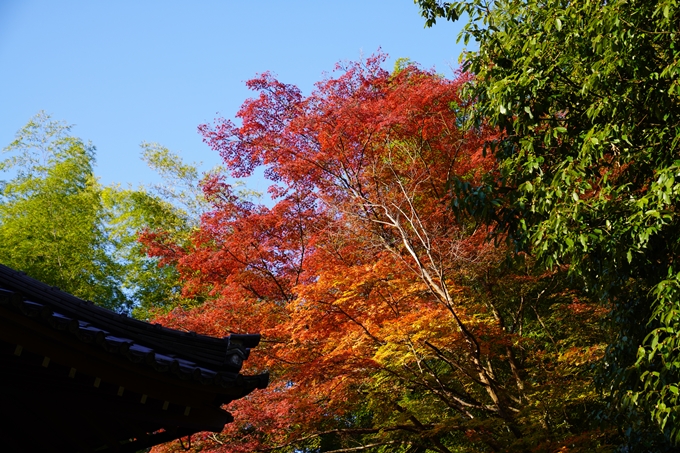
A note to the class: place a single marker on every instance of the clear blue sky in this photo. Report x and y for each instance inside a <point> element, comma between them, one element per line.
<point>130,71</point>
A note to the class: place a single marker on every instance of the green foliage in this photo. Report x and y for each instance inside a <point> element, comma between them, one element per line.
<point>586,95</point>
<point>59,225</point>
<point>180,185</point>
<point>400,64</point>
<point>51,214</point>
<point>129,211</point>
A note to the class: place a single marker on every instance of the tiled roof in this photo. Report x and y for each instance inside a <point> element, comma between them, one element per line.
<point>225,353</point>
<point>193,364</point>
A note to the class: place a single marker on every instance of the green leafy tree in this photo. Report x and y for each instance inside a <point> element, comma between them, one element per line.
<point>59,225</point>
<point>180,184</point>
<point>173,207</point>
<point>586,95</point>
<point>51,214</point>
<point>129,212</point>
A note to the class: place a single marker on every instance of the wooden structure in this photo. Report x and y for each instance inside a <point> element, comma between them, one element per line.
<point>79,378</point>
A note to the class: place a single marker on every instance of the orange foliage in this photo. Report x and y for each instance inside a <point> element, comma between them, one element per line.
<point>384,319</point>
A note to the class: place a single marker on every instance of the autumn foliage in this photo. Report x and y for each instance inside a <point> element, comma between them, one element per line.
<point>388,324</point>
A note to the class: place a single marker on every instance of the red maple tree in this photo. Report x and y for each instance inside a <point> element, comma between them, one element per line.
<point>386,321</point>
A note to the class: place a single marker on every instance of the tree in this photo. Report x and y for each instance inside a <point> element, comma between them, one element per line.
<point>586,97</point>
<point>51,214</point>
<point>59,225</point>
<point>386,323</point>
<point>149,286</point>
<point>173,207</point>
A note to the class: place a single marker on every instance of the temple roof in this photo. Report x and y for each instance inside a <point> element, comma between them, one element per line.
<point>96,380</point>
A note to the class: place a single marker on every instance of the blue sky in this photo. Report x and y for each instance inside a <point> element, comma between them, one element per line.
<point>125,72</point>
